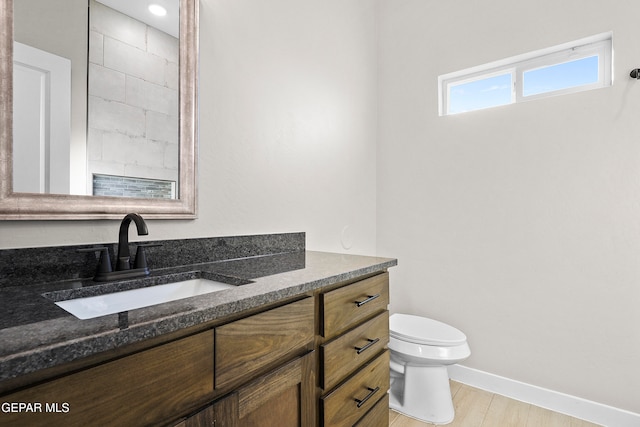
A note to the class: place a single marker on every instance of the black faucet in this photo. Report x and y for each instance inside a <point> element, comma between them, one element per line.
<point>123,269</point>
<point>124,257</point>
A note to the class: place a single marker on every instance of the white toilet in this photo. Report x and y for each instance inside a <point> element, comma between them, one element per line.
<point>421,349</point>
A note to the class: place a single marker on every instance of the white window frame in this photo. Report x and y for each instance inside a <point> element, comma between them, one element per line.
<point>599,45</point>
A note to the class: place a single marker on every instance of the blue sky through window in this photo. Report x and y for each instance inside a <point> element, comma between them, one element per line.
<point>478,94</point>
<point>560,76</point>
<point>571,67</point>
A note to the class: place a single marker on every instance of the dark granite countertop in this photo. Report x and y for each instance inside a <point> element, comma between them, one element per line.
<point>36,334</point>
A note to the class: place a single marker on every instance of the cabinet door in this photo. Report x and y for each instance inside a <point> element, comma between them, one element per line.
<point>282,398</point>
<point>222,413</point>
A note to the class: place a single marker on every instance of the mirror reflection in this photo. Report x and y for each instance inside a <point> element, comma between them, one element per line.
<point>96,98</point>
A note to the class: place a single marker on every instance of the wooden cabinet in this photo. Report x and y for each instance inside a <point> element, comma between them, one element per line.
<point>161,384</point>
<point>354,362</point>
<point>259,358</point>
<point>141,389</point>
<point>325,351</point>
<point>284,397</point>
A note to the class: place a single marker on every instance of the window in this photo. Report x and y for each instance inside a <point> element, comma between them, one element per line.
<point>482,92</point>
<point>572,67</point>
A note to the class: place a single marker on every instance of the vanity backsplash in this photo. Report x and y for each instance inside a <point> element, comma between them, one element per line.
<point>30,266</point>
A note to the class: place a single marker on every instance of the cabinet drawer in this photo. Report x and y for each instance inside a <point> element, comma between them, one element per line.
<point>378,416</point>
<point>251,345</point>
<point>346,353</point>
<point>146,388</point>
<point>345,307</point>
<point>352,400</point>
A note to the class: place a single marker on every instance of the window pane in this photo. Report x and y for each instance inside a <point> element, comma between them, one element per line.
<point>478,94</point>
<point>560,76</point>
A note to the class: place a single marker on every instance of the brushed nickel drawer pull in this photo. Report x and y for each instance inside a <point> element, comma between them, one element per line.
<point>372,391</point>
<point>371,342</point>
<point>369,299</point>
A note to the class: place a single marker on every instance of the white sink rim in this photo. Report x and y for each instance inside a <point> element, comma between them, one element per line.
<point>116,302</point>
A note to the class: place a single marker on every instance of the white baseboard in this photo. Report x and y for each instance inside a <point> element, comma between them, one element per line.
<point>558,402</point>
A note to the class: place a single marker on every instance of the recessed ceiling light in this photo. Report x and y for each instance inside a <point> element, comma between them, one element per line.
<point>157,10</point>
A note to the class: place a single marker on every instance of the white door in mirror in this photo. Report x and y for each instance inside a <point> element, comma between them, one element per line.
<point>42,122</point>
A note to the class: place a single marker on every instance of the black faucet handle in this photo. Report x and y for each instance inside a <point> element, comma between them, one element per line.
<point>141,258</point>
<point>104,263</point>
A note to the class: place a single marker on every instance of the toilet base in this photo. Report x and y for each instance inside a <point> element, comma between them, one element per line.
<point>423,393</point>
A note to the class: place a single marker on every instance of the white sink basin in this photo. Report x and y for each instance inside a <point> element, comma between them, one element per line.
<point>90,307</point>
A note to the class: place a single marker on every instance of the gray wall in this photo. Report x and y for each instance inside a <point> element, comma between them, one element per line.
<point>520,224</point>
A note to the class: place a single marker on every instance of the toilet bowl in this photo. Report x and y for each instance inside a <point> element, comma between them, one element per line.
<point>421,349</point>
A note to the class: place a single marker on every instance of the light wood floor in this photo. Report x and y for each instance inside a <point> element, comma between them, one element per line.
<point>479,408</point>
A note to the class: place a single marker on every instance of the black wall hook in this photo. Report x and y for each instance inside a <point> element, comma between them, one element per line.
<point>635,74</point>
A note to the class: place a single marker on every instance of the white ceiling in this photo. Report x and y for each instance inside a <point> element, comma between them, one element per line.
<point>138,9</point>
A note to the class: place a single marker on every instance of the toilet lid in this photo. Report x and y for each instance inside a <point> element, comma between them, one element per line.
<point>420,330</point>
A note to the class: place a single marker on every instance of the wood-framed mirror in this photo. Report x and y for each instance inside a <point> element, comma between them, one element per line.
<point>46,205</point>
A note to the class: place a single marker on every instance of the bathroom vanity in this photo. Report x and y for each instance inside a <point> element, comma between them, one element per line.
<point>300,341</point>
